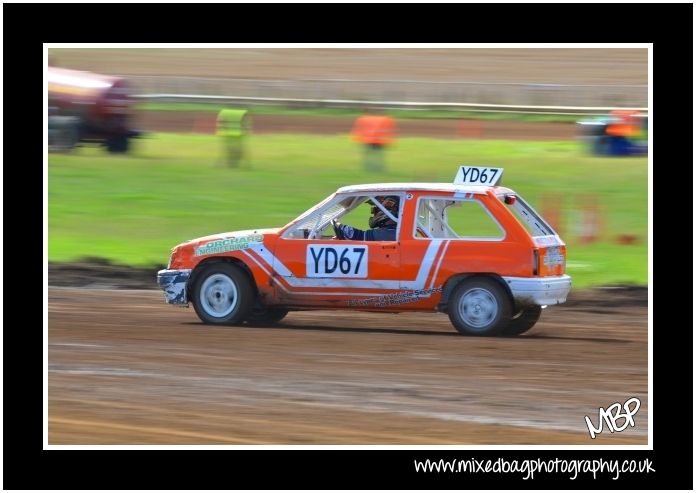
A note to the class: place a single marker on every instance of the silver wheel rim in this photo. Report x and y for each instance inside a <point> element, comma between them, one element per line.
<point>478,308</point>
<point>218,295</point>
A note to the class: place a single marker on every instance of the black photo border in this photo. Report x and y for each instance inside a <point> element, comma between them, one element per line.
<point>672,459</point>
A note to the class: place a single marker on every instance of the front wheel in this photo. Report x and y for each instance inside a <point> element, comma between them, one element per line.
<point>479,306</point>
<point>523,321</point>
<point>222,294</point>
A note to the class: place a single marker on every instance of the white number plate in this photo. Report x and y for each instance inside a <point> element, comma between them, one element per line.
<point>474,175</point>
<point>336,261</point>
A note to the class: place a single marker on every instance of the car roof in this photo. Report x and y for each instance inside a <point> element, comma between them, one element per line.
<point>434,187</point>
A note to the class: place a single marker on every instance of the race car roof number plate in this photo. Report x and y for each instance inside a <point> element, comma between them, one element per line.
<point>477,175</point>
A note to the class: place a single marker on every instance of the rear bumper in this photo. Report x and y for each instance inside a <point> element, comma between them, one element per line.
<point>540,290</point>
<point>173,282</point>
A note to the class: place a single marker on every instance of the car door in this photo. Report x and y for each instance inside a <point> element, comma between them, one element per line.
<point>329,272</point>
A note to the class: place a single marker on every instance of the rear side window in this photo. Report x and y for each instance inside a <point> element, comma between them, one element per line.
<point>459,219</point>
<point>526,215</point>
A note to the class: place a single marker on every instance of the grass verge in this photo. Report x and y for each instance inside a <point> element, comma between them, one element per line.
<point>173,187</point>
<point>353,113</point>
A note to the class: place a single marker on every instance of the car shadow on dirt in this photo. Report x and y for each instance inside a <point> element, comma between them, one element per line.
<point>329,328</point>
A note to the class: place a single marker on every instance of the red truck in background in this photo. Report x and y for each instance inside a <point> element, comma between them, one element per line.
<point>88,107</point>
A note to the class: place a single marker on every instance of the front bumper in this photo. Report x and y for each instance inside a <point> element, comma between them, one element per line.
<point>539,290</point>
<point>173,282</point>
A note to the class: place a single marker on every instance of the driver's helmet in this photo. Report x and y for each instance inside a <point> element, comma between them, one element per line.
<point>379,219</point>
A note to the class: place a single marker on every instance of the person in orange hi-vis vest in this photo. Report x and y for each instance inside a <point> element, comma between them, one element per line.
<point>375,132</point>
<point>626,124</point>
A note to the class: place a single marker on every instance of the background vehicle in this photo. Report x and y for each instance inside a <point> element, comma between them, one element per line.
<point>88,107</point>
<point>623,133</point>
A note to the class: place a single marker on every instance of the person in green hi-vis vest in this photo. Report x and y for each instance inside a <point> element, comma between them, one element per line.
<point>233,125</point>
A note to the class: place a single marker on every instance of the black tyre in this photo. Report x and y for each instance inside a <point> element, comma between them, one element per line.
<point>117,144</point>
<point>523,321</point>
<point>64,133</point>
<point>222,294</point>
<point>479,306</point>
<point>266,316</point>
<point>68,137</point>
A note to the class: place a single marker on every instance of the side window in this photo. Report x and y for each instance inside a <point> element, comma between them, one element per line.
<point>460,219</point>
<point>354,210</point>
<point>359,215</point>
<point>366,207</point>
<point>430,224</point>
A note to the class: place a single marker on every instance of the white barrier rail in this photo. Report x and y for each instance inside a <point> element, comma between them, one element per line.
<point>359,104</point>
<point>344,92</point>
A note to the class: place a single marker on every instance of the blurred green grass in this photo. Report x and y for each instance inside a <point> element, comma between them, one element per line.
<point>173,187</point>
<point>355,112</point>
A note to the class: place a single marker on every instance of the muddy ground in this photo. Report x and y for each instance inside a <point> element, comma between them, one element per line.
<point>125,368</point>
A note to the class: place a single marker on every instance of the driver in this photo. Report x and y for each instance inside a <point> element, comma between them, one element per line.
<point>383,228</point>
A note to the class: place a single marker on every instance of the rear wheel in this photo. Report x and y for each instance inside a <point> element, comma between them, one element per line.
<point>63,132</point>
<point>479,306</point>
<point>117,144</point>
<point>222,294</point>
<point>523,320</point>
<point>266,316</point>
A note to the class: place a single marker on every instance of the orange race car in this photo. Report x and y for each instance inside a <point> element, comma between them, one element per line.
<point>471,249</point>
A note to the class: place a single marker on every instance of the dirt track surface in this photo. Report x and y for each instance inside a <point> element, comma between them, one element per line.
<point>172,121</point>
<point>124,368</point>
